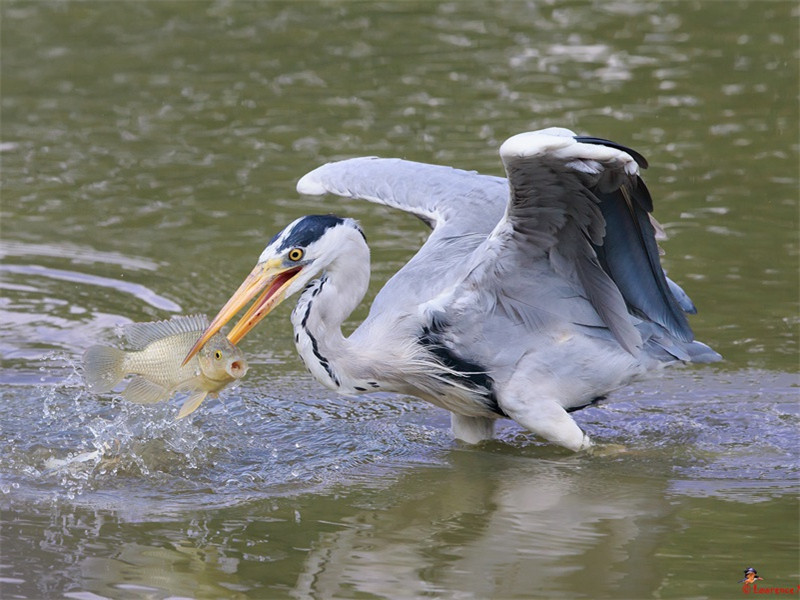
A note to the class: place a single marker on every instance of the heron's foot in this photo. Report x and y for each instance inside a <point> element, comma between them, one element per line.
<point>472,430</point>
<point>549,420</point>
<point>587,445</point>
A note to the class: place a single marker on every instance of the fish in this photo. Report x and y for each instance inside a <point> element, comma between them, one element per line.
<point>158,348</point>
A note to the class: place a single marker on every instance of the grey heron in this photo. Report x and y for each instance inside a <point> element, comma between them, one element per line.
<point>532,297</point>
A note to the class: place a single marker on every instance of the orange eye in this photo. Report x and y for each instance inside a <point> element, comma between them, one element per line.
<point>295,254</point>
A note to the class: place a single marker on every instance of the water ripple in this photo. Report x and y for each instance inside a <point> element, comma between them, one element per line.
<point>137,290</point>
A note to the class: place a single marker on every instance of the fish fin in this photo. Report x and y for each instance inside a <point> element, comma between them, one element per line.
<point>103,368</point>
<point>191,404</point>
<point>140,335</point>
<point>194,384</point>
<point>142,391</point>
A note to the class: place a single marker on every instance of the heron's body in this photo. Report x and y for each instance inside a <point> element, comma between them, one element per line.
<point>524,307</point>
<point>431,362</point>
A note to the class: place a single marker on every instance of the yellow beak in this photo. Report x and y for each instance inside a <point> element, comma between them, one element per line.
<point>270,276</point>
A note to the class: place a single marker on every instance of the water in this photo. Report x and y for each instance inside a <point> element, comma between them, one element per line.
<point>150,149</point>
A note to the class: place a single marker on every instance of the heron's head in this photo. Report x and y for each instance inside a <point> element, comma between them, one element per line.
<point>294,256</point>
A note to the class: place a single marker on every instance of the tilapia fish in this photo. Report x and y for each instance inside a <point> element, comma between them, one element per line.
<point>158,349</point>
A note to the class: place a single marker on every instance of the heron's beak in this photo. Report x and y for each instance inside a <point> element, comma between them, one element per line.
<point>271,277</point>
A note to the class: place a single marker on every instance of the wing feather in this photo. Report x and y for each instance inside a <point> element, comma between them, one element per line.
<point>440,196</point>
<point>460,206</point>
<point>576,202</point>
<point>629,253</point>
<point>581,201</point>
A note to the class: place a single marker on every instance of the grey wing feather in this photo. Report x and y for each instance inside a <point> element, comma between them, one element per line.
<point>682,297</point>
<point>629,254</point>
<point>460,206</point>
<point>439,195</point>
<point>580,201</point>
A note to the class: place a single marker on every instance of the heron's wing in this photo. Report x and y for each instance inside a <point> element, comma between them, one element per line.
<point>580,204</point>
<point>463,202</point>
<point>462,208</point>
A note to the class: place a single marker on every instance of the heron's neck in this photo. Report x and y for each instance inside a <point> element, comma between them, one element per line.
<point>322,308</point>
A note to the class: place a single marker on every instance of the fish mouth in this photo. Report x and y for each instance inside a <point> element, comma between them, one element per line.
<point>237,369</point>
<point>271,277</point>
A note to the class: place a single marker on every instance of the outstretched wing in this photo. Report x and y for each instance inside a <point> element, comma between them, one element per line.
<point>450,201</point>
<point>578,200</point>
<point>580,203</point>
<point>461,207</point>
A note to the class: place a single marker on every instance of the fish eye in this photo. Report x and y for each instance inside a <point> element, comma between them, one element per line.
<point>295,254</point>
<point>218,354</point>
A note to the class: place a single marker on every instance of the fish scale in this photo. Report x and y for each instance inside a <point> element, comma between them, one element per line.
<point>157,360</point>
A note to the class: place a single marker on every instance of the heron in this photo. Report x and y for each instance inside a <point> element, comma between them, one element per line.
<point>534,295</point>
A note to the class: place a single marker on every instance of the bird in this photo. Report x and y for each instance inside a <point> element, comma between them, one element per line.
<point>750,576</point>
<point>535,294</point>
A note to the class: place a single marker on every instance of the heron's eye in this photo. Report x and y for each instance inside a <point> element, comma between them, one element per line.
<point>295,254</point>
<point>218,354</point>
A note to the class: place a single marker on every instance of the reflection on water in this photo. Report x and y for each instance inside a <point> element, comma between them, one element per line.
<point>523,525</point>
<point>150,150</point>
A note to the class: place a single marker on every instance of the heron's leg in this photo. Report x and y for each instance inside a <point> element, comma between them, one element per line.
<point>472,429</point>
<point>549,420</point>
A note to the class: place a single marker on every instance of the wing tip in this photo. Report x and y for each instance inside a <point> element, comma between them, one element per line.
<point>565,144</point>
<point>310,185</point>
<point>640,160</point>
<point>314,183</point>
<point>533,143</point>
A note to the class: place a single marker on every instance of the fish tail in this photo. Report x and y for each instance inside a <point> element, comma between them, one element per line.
<point>103,368</point>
